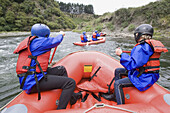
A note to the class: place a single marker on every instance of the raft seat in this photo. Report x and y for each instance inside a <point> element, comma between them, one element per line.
<point>97,84</point>
<point>75,63</point>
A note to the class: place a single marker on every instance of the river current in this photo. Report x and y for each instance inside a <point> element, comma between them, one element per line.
<point>9,84</point>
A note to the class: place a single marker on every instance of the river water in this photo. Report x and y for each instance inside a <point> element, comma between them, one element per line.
<point>9,84</point>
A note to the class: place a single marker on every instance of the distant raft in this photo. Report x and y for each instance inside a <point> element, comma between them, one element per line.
<point>102,34</point>
<point>101,40</point>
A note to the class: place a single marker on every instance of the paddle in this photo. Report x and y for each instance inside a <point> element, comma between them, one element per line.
<point>63,34</point>
<point>126,51</point>
<point>53,55</point>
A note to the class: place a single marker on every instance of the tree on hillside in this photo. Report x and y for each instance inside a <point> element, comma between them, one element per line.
<point>20,15</point>
<point>18,1</point>
<point>89,9</point>
<point>76,8</point>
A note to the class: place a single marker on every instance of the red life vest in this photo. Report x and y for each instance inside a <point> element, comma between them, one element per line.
<point>153,64</point>
<point>24,61</point>
<point>82,37</point>
<point>94,35</point>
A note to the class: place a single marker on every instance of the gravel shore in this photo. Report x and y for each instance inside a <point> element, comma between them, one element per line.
<point>11,34</point>
<point>116,34</point>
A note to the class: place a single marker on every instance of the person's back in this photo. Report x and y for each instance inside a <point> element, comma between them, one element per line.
<point>32,65</point>
<point>95,35</point>
<point>142,65</point>
<point>83,37</point>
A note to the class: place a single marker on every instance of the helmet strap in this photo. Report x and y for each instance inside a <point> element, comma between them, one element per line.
<point>137,36</point>
<point>142,41</point>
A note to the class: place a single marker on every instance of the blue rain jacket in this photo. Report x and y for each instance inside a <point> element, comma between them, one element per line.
<point>85,38</point>
<point>97,35</point>
<point>39,46</point>
<point>139,56</point>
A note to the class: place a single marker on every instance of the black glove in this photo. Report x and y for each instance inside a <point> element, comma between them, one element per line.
<point>75,97</point>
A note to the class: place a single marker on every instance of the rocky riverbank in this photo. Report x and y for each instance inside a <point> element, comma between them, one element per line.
<point>14,34</point>
<point>115,34</point>
<point>120,34</point>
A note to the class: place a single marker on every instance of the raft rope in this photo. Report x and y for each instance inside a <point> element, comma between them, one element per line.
<point>103,105</point>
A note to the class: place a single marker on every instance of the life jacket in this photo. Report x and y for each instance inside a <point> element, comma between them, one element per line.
<point>24,61</point>
<point>94,35</point>
<point>82,37</point>
<point>153,64</point>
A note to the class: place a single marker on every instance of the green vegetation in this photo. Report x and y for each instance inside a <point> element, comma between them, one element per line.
<point>79,18</point>
<point>95,23</point>
<point>127,19</point>
<point>110,26</point>
<point>99,28</point>
<point>20,15</point>
<point>76,8</point>
<point>131,27</point>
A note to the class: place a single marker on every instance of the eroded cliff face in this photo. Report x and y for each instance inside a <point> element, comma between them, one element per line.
<point>127,19</point>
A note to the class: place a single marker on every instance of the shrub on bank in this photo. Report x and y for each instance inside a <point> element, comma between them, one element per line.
<point>99,28</point>
<point>110,26</point>
<point>131,27</point>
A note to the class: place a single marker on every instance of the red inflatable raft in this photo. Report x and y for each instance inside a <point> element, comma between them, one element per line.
<point>154,100</point>
<point>101,40</point>
<point>102,34</point>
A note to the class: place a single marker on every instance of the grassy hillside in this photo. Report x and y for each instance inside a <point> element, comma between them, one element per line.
<point>126,20</point>
<point>20,15</point>
<point>84,17</point>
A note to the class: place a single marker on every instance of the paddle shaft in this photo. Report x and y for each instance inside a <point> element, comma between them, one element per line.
<point>53,54</point>
<point>126,51</point>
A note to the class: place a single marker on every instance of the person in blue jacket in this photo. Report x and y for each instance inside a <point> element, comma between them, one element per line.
<point>84,37</point>
<point>95,35</point>
<point>140,55</point>
<point>52,77</point>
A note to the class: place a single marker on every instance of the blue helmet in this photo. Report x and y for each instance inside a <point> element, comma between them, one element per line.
<point>96,31</point>
<point>40,30</point>
<point>84,33</point>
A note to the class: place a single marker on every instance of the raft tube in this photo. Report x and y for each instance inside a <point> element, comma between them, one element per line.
<point>102,34</point>
<point>154,100</point>
<point>101,40</point>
